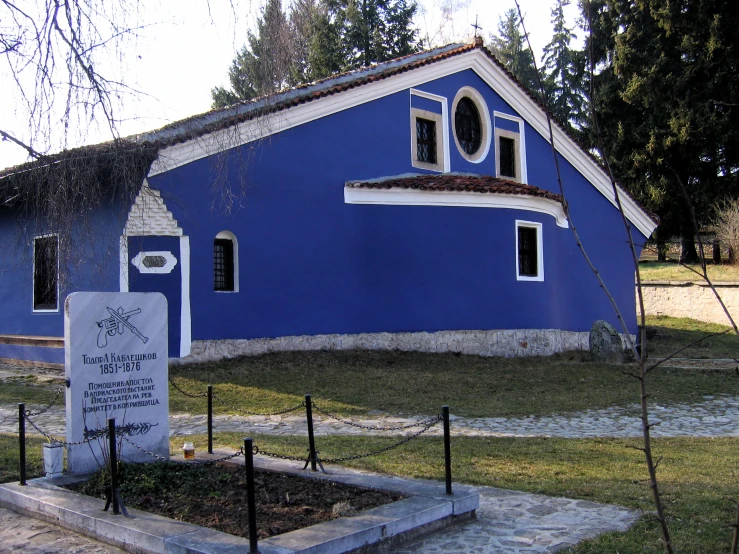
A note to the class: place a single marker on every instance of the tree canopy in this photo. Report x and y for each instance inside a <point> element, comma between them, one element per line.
<point>317,38</point>
<point>666,98</point>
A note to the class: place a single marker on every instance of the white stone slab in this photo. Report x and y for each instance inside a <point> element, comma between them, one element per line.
<point>116,362</point>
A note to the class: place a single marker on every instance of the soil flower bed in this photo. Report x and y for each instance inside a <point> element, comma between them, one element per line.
<point>214,496</point>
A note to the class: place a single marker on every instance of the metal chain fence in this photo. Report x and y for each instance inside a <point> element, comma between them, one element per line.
<point>406,440</point>
<point>160,458</point>
<point>51,437</point>
<point>375,427</point>
<point>185,393</point>
<point>43,410</point>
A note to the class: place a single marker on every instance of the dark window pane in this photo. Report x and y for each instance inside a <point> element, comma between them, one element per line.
<point>528,258</point>
<point>45,273</point>
<point>425,140</point>
<point>507,150</point>
<point>467,126</point>
<point>223,265</point>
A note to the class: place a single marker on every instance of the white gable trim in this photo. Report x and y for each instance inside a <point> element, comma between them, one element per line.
<point>248,131</point>
<point>149,216</point>
<point>415,197</point>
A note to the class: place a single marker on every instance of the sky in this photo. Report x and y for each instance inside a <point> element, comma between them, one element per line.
<point>187,47</point>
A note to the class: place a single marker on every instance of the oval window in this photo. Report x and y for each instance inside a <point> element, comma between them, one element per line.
<point>467,126</point>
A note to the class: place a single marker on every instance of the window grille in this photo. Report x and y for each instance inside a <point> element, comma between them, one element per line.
<point>507,152</point>
<point>527,252</point>
<point>467,126</point>
<point>45,278</point>
<point>425,140</point>
<point>223,265</point>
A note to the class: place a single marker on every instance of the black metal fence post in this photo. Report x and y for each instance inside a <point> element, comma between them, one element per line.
<point>113,466</point>
<point>447,450</point>
<point>22,441</point>
<point>251,502</point>
<point>210,419</point>
<point>311,438</point>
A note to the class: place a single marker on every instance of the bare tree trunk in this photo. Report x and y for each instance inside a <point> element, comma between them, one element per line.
<point>716,252</point>
<point>688,254</point>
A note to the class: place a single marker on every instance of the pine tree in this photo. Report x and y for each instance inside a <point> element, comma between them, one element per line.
<point>265,64</point>
<point>510,47</point>
<point>563,70</point>
<point>666,97</point>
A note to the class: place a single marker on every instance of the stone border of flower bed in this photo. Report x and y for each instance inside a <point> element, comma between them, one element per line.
<point>426,508</point>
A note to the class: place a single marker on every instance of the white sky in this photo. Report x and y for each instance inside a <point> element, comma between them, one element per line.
<point>188,50</point>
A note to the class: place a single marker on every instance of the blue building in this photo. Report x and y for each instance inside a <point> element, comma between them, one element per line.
<point>411,205</point>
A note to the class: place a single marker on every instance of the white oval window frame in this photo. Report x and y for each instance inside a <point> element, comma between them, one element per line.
<point>485,123</point>
<point>138,262</point>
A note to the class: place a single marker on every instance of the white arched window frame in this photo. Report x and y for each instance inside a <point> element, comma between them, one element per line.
<point>228,236</point>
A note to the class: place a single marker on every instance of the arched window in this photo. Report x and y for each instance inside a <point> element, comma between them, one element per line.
<point>225,263</point>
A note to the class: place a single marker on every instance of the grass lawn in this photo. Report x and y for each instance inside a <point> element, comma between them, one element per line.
<point>672,271</point>
<point>698,477</point>
<point>674,333</point>
<point>358,382</point>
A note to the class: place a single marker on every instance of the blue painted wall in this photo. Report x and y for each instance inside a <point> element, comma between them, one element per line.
<point>96,247</point>
<point>311,264</point>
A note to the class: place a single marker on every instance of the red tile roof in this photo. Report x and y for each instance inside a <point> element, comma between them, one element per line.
<point>484,184</point>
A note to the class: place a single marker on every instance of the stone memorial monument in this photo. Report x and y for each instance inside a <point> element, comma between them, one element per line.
<point>116,364</point>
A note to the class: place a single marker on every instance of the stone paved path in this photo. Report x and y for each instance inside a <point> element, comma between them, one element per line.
<point>713,417</point>
<point>508,522</point>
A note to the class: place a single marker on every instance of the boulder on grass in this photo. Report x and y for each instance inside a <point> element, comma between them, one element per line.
<point>605,343</point>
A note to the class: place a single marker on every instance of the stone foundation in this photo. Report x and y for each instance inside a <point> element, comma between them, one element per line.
<point>688,299</point>
<point>508,343</point>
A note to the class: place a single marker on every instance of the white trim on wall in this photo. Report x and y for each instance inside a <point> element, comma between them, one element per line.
<point>539,251</point>
<point>446,158</point>
<point>415,197</point>
<point>520,147</point>
<point>185,316</point>
<point>169,259</point>
<point>476,60</point>
<point>123,264</point>
<point>485,123</point>
<point>230,236</point>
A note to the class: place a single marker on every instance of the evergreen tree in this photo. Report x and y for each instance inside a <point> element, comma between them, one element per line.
<point>563,70</point>
<point>375,30</point>
<point>265,64</point>
<point>325,51</point>
<point>666,98</point>
<point>510,47</point>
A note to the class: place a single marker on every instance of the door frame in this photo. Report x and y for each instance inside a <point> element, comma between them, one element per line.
<point>185,318</point>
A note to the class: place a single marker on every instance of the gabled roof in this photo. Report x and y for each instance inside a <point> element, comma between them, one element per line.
<point>196,137</point>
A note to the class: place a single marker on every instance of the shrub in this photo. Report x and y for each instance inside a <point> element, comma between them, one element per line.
<point>726,225</point>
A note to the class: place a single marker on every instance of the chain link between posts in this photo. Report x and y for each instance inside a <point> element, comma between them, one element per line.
<point>52,438</point>
<point>429,425</point>
<point>160,458</point>
<point>43,410</point>
<point>422,423</point>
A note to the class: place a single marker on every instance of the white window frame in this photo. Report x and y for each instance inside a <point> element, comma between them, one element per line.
<point>33,276</point>
<point>484,113</point>
<point>228,235</point>
<point>519,139</point>
<point>442,131</point>
<point>539,250</point>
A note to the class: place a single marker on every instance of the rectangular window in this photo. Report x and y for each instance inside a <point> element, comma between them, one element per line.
<point>507,149</point>
<point>529,255</point>
<point>45,273</point>
<point>223,265</point>
<point>425,140</point>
